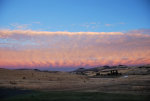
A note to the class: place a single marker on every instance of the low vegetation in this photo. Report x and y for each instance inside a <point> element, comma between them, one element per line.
<point>23,95</point>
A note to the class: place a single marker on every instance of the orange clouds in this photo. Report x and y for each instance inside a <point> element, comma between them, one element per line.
<point>72,49</point>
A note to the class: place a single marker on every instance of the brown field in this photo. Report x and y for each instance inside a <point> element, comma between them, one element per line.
<point>60,81</point>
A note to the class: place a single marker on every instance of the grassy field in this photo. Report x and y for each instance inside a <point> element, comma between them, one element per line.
<point>62,86</point>
<point>27,95</point>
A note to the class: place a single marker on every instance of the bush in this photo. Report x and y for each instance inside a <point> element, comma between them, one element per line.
<point>23,77</point>
<point>13,82</point>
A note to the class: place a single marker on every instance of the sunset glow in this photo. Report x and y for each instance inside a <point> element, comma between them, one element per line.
<point>73,49</point>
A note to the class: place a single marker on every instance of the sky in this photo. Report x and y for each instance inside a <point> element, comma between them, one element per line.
<point>74,33</point>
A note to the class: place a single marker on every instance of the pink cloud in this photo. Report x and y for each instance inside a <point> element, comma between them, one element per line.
<point>27,48</point>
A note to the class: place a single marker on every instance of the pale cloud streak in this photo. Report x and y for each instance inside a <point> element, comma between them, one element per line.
<point>108,25</point>
<point>5,33</point>
<point>20,26</point>
<point>28,48</point>
<point>36,22</point>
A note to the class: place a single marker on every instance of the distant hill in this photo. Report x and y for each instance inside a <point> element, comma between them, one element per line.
<point>123,69</point>
<point>95,69</point>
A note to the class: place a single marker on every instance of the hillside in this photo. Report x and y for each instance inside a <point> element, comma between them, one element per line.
<point>132,80</point>
<point>121,69</point>
<point>33,79</point>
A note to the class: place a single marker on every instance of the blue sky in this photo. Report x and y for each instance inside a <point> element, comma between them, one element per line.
<point>75,15</point>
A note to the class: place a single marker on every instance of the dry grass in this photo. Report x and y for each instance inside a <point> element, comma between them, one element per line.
<point>30,79</point>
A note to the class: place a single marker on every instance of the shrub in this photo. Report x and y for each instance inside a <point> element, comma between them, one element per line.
<point>13,82</point>
<point>23,77</point>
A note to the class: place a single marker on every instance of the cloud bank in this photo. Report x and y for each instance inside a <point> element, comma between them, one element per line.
<point>28,48</point>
